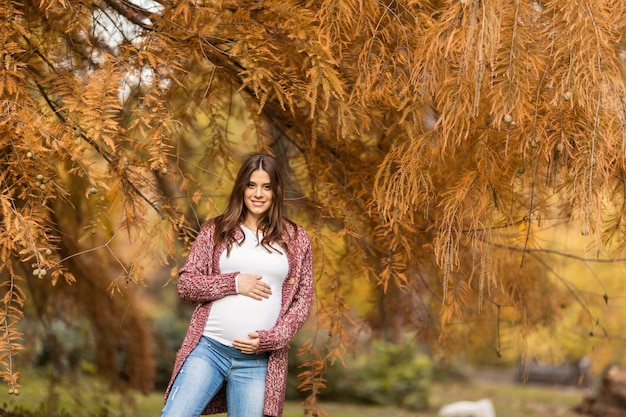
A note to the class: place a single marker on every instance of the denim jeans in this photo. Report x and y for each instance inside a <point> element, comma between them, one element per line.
<point>211,365</point>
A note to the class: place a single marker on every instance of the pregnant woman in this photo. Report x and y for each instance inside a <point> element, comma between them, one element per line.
<point>250,272</point>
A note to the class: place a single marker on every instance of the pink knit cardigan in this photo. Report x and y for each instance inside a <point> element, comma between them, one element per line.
<point>201,282</point>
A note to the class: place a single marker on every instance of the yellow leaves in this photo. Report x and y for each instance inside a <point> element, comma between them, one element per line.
<point>181,11</point>
<point>323,77</point>
<point>400,189</point>
<point>260,79</point>
<point>99,106</point>
<point>11,67</point>
<point>503,74</point>
<point>310,71</point>
<point>52,4</point>
<point>196,197</point>
<point>453,305</point>
<point>11,312</point>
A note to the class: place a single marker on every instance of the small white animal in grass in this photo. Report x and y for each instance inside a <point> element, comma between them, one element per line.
<point>480,408</point>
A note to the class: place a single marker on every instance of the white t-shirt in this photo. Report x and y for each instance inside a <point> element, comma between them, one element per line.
<point>234,316</point>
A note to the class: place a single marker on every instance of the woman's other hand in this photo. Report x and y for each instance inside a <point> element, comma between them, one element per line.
<point>248,346</point>
<point>252,286</point>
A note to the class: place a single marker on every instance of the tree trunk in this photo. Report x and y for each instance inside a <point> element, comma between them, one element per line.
<point>611,398</point>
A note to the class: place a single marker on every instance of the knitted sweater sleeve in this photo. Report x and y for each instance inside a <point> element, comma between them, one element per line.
<point>198,279</point>
<point>300,304</point>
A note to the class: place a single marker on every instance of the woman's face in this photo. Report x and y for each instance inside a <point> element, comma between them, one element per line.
<point>258,195</point>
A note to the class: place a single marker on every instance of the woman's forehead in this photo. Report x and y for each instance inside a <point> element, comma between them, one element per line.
<point>260,176</point>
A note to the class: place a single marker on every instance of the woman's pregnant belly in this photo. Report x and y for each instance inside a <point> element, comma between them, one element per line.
<point>234,316</point>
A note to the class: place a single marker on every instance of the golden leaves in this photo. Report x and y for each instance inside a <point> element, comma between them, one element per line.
<point>400,192</point>
<point>69,165</point>
<point>524,74</point>
<point>11,312</point>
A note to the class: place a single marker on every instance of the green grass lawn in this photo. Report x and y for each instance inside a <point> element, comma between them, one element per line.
<point>86,396</point>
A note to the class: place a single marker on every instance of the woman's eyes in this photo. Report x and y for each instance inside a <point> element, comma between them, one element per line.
<point>266,187</point>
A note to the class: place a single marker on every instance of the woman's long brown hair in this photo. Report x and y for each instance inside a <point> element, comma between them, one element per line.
<point>271,224</point>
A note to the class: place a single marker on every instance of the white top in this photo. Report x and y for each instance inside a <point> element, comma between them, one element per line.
<point>234,316</point>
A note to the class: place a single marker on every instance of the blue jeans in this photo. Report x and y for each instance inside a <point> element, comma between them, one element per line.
<point>211,365</point>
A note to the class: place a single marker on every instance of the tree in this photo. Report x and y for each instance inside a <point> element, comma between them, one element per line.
<point>432,137</point>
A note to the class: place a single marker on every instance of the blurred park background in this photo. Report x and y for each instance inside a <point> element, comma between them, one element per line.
<point>460,166</point>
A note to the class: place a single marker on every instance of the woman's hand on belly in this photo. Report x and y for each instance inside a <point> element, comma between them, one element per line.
<point>248,346</point>
<point>251,285</point>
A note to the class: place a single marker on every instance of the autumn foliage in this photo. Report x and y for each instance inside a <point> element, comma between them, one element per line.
<point>427,142</point>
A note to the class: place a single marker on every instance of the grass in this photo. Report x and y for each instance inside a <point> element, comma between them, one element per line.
<point>510,399</point>
<point>86,397</point>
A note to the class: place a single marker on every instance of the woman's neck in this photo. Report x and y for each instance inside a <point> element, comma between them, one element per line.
<point>251,224</point>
